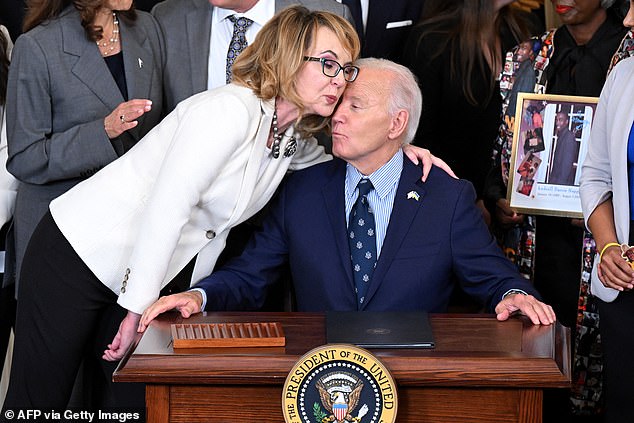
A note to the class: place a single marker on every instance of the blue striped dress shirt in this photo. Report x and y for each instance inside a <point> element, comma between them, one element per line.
<point>381,199</point>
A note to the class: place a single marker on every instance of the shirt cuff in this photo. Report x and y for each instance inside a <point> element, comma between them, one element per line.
<point>204,295</point>
<point>506,294</point>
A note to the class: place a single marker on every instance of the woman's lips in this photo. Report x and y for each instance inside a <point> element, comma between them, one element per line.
<point>563,9</point>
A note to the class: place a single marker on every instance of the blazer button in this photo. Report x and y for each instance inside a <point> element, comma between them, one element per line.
<point>210,234</point>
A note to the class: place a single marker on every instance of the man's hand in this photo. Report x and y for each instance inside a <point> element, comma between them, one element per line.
<point>427,159</point>
<point>538,312</point>
<point>124,337</point>
<point>188,303</point>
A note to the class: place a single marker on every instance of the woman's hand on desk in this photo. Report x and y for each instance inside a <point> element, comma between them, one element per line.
<point>188,303</point>
<point>124,337</point>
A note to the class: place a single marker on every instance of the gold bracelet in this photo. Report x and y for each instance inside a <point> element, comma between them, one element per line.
<point>608,245</point>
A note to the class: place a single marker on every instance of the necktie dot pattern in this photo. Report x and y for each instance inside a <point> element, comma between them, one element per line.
<point>362,240</point>
<point>238,41</point>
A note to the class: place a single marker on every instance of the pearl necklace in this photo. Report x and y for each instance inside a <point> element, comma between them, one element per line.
<point>107,47</point>
<point>291,146</point>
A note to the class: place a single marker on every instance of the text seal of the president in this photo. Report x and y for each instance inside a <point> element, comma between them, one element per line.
<point>339,383</point>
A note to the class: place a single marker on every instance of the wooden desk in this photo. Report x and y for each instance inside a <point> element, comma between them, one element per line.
<point>480,371</point>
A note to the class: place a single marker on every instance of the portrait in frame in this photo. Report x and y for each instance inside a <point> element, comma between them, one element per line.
<point>550,140</point>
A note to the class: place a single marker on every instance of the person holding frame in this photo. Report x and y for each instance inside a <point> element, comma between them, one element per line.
<point>572,59</point>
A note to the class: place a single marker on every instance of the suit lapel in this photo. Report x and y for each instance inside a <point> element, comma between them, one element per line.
<point>334,203</point>
<point>403,213</point>
<point>90,67</point>
<point>138,65</point>
<point>198,43</point>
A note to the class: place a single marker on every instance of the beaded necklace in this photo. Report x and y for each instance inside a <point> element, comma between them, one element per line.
<point>107,47</point>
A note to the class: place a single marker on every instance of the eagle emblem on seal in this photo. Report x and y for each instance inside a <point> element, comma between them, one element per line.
<point>339,393</point>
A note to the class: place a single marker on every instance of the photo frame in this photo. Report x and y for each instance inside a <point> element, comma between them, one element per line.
<point>550,141</point>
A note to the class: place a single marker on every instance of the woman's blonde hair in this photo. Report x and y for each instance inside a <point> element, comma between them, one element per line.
<point>270,65</point>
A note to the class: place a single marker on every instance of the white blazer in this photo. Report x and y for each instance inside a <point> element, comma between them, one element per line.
<point>604,170</point>
<point>205,168</point>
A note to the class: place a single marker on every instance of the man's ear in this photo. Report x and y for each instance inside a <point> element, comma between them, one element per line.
<point>398,124</point>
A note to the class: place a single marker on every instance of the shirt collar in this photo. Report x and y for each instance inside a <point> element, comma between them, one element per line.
<point>383,179</point>
<point>260,13</point>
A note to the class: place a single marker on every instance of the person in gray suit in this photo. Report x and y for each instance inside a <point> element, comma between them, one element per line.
<point>77,99</point>
<point>85,84</point>
<point>189,28</point>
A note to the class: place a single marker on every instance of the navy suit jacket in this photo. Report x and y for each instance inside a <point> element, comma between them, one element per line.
<point>427,241</point>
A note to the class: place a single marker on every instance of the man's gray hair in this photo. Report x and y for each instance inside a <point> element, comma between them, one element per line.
<point>404,92</point>
<point>607,3</point>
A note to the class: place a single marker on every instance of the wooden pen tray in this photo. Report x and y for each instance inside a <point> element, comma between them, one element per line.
<point>206,335</point>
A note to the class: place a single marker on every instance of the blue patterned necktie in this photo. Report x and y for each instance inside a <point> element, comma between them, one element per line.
<point>238,41</point>
<point>362,239</point>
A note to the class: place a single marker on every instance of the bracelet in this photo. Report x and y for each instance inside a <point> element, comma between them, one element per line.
<point>608,245</point>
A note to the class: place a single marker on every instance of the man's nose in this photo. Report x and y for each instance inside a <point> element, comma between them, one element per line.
<point>338,117</point>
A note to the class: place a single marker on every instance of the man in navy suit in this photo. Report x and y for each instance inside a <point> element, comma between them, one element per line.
<point>424,231</point>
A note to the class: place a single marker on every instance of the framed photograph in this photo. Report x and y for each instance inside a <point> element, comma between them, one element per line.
<point>550,140</point>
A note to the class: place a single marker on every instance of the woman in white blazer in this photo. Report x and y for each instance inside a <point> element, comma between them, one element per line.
<point>607,196</point>
<point>212,163</point>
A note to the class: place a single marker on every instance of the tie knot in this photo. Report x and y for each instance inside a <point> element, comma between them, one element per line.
<point>365,186</point>
<point>240,22</point>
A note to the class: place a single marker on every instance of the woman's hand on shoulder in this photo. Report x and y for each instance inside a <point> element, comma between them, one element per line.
<point>416,154</point>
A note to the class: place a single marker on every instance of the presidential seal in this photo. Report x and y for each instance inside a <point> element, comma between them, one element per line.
<point>339,383</point>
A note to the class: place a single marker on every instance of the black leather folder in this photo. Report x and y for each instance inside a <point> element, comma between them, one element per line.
<point>371,329</point>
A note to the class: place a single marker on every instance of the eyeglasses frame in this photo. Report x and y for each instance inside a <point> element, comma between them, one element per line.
<point>323,61</point>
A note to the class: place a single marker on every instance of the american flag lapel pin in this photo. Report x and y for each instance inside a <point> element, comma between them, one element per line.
<point>414,195</point>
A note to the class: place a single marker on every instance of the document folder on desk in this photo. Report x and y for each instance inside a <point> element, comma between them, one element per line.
<point>371,329</point>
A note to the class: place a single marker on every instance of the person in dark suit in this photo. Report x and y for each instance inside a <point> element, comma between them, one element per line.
<point>435,228</point>
<point>383,26</point>
<point>563,166</point>
<point>189,28</point>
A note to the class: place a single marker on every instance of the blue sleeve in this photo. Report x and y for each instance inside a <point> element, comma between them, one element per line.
<point>242,283</point>
<point>478,261</point>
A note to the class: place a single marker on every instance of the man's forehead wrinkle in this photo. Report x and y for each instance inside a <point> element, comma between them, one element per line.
<point>369,92</point>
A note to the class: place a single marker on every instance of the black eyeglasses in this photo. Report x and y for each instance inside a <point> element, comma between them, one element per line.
<point>331,68</point>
